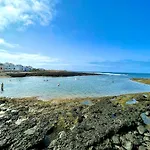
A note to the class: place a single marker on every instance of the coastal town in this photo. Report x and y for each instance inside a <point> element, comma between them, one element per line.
<point>10,67</point>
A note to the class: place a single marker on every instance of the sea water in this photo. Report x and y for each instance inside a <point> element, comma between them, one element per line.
<point>70,87</point>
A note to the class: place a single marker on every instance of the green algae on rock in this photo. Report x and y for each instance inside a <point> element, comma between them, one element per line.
<point>69,125</point>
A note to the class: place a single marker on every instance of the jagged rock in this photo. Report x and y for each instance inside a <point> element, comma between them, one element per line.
<point>141,129</point>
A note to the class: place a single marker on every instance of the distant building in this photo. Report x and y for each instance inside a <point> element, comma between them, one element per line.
<point>18,68</point>
<point>1,67</point>
<point>27,68</point>
<point>9,67</point>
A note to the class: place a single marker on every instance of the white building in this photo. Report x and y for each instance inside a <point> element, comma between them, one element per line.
<point>18,68</point>
<point>9,67</point>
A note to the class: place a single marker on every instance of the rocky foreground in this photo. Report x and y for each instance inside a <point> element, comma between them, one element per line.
<point>82,124</point>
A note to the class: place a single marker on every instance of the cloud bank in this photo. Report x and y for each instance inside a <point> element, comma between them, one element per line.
<point>37,60</point>
<point>6,44</point>
<point>23,13</point>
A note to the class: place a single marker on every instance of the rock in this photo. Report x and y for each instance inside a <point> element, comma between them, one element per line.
<point>128,145</point>
<point>148,145</point>
<point>116,140</point>
<point>147,113</point>
<point>31,130</point>
<point>130,137</point>
<point>146,138</point>
<point>141,129</point>
<point>135,132</point>
<point>2,105</point>
<point>2,114</point>
<point>147,134</point>
<point>3,142</point>
<point>62,134</point>
<point>142,148</point>
<point>19,121</point>
<point>14,112</point>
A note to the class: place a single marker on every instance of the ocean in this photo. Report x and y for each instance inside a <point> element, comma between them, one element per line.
<point>72,87</point>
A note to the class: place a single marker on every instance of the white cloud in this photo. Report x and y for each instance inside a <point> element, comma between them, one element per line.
<point>36,60</point>
<point>6,44</point>
<point>23,13</point>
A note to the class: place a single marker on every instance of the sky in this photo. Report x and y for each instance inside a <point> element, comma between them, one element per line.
<point>80,35</point>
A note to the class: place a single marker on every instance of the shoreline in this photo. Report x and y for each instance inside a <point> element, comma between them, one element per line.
<point>99,123</point>
<point>141,80</point>
<point>50,74</point>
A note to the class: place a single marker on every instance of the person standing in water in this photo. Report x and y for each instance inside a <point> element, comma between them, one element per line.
<point>2,87</point>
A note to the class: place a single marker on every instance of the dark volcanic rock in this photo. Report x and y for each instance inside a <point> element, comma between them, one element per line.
<point>35,125</point>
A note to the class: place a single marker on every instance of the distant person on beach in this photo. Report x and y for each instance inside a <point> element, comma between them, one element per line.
<point>2,87</point>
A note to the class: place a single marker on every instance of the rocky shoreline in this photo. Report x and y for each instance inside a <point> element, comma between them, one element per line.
<point>49,73</point>
<point>142,80</point>
<point>106,123</point>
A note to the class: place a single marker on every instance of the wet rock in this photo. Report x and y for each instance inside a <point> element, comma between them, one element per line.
<point>128,145</point>
<point>141,129</point>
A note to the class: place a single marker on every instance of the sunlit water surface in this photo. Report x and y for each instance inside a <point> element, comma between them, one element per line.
<point>70,87</point>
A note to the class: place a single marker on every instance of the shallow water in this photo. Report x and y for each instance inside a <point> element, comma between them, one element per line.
<point>85,86</point>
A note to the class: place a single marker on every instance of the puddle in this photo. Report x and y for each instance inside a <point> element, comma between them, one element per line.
<point>145,119</point>
<point>87,102</point>
<point>132,101</point>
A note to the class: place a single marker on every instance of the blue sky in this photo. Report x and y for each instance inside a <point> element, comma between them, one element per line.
<point>110,35</point>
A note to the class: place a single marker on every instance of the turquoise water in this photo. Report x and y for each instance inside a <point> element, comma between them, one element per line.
<point>86,86</point>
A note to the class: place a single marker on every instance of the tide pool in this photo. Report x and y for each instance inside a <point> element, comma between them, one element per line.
<point>70,87</point>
